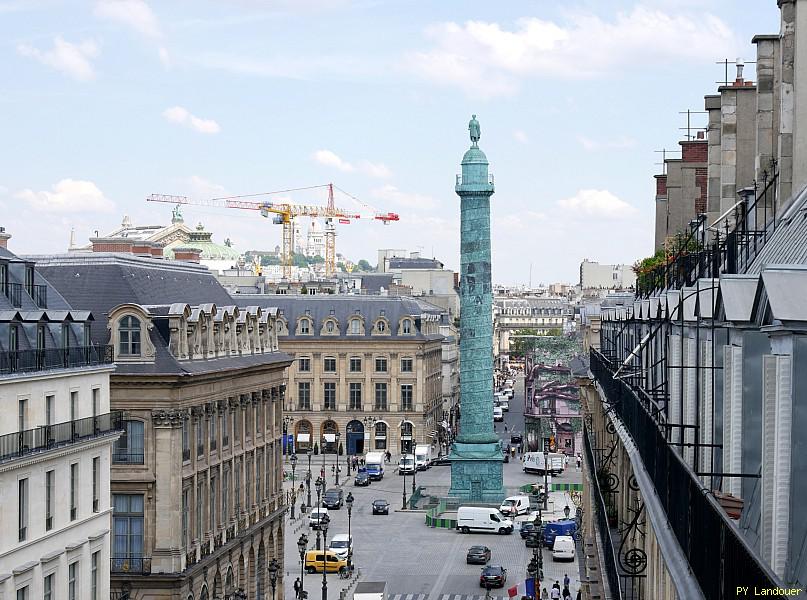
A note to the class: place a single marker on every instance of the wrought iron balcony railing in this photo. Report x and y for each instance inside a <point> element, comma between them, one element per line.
<point>14,292</point>
<point>130,565</point>
<point>26,361</point>
<point>47,437</point>
<point>38,293</point>
<point>718,556</point>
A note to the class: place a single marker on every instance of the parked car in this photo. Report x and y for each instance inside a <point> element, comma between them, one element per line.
<point>493,576</point>
<point>362,479</point>
<point>498,415</point>
<point>533,540</point>
<point>526,529</point>
<point>380,507</point>
<point>563,548</point>
<point>317,560</point>
<point>406,465</point>
<point>516,438</point>
<point>333,498</point>
<point>341,545</point>
<point>478,555</point>
<point>317,516</point>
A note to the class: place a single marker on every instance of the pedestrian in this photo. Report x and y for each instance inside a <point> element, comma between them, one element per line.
<point>556,585</point>
<point>579,460</point>
<point>505,426</point>
<point>567,595</point>
<point>580,594</point>
<point>297,586</point>
<point>555,594</point>
<point>565,580</point>
<point>544,594</point>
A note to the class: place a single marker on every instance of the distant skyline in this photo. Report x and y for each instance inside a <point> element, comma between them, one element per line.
<point>105,102</point>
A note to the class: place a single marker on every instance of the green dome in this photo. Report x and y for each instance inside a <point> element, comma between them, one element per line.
<point>208,249</point>
<point>474,155</point>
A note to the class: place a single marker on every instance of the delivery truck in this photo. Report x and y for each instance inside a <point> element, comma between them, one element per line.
<point>534,462</point>
<point>423,456</point>
<point>374,463</point>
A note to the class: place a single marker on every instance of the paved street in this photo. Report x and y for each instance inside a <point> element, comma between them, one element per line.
<point>417,560</point>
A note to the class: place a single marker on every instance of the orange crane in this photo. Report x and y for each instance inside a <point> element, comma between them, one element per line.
<point>285,213</point>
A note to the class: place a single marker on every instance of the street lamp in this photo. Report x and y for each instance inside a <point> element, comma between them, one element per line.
<point>319,485</point>
<point>308,482</point>
<point>273,568</point>
<point>324,527</point>
<point>402,469</point>
<point>287,420</point>
<point>293,488</point>
<point>415,470</point>
<point>302,544</point>
<point>349,504</point>
<point>336,468</point>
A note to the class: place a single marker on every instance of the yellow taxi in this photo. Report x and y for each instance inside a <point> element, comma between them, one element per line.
<point>317,560</point>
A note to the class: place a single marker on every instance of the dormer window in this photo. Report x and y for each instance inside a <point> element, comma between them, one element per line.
<point>355,326</point>
<point>329,327</point>
<point>129,336</point>
<point>406,326</point>
<point>304,328</point>
<point>381,326</point>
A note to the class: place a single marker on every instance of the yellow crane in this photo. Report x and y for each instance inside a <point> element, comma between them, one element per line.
<point>285,213</point>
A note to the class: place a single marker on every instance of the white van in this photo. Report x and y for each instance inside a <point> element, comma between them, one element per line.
<point>515,505</point>
<point>423,456</point>
<point>480,518</point>
<point>406,465</point>
<point>505,405</point>
<point>563,548</point>
<point>498,415</point>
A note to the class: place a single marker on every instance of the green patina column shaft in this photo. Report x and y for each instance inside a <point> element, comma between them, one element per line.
<point>476,456</point>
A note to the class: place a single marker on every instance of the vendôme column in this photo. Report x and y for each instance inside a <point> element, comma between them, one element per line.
<point>476,455</point>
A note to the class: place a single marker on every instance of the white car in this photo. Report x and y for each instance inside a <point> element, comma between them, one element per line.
<point>341,545</point>
<point>317,516</point>
<point>498,415</point>
<point>563,548</point>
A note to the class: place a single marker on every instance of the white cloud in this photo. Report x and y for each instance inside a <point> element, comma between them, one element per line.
<point>597,203</point>
<point>67,196</point>
<point>204,188</point>
<point>620,143</point>
<point>484,58</point>
<point>132,13</point>
<point>520,136</point>
<point>181,116</point>
<point>331,159</point>
<point>390,193</point>
<point>522,221</point>
<point>165,57</point>
<point>71,59</point>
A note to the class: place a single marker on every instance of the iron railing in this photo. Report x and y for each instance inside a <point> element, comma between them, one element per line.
<point>609,560</point>
<point>132,565</point>
<point>47,437</point>
<point>13,292</point>
<point>729,245</point>
<point>25,361</point>
<point>720,559</point>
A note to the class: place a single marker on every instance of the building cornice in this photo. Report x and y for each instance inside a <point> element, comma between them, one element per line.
<point>46,455</point>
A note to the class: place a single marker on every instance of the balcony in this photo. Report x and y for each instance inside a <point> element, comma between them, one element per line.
<point>38,293</point>
<point>699,524</point>
<point>29,361</point>
<point>48,437</point>
<point>130,565</point>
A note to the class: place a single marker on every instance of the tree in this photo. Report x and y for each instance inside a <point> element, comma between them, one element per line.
<point>363,265</point>
<point>304,290</point>
<point>520,346</point>
<point>316,260</point>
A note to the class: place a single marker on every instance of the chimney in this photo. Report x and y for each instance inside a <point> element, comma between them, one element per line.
<point>4,237</point>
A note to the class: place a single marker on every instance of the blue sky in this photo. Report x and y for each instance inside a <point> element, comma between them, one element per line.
<point>105,102</point>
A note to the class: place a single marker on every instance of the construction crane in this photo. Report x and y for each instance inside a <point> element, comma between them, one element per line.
<point>285,213</point>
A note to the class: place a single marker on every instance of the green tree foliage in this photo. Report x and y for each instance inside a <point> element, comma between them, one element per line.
<point>363,265</point>
<point>520,346</point>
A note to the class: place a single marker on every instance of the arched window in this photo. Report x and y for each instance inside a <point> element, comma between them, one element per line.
<point>380,436</point>
<point>305,327</point>
<point>129,336</point>
<point>406,326</point>
<point>381,326</point>
<point>355,326</point>
<point>329,327</point>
